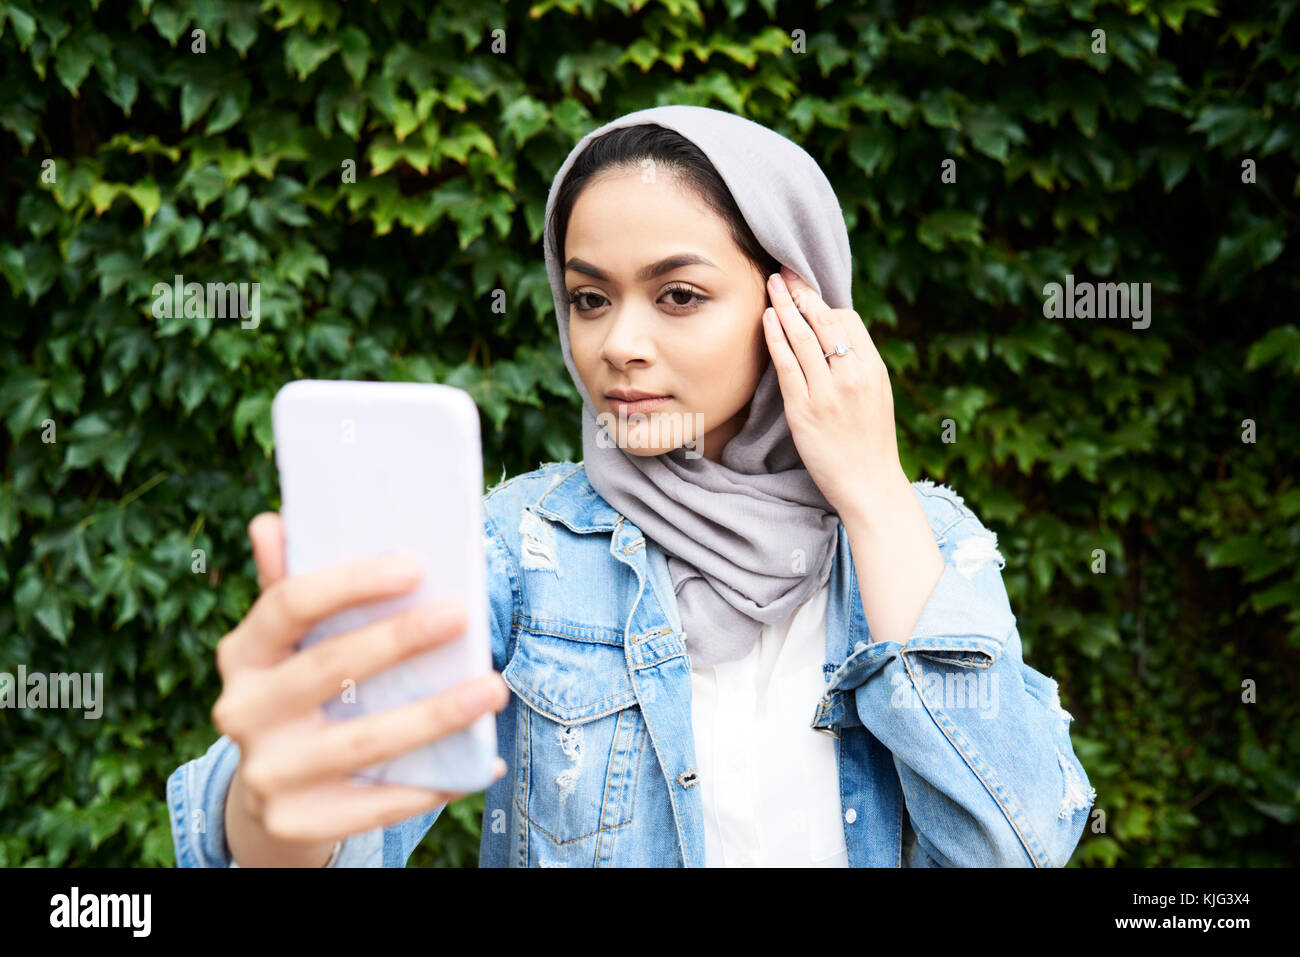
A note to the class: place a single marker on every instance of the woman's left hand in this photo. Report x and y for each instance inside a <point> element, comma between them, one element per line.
<point>840,408</point>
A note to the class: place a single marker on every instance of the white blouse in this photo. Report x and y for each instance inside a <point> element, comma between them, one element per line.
<point>769,782</point>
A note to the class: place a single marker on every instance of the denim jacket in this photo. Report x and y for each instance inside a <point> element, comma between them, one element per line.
<point>952,751</point>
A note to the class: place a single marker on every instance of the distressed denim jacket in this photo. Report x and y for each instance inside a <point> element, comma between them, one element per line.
<point>952,751</point>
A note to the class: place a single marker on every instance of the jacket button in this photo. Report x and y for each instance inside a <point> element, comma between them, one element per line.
<point>850,815</point>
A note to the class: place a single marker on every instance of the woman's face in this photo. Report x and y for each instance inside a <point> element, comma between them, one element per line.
<point>666,305</point>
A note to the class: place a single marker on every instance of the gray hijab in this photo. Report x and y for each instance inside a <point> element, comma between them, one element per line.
<point>750,538</point>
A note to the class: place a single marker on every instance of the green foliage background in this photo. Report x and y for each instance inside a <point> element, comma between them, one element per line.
<point>1072,435</point>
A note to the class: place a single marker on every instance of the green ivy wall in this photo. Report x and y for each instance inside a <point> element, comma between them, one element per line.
<point>128,156</point>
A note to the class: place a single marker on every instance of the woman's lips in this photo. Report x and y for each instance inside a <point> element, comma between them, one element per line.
<point>631,407</point>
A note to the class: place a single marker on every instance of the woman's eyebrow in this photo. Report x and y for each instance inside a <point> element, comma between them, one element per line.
<point>668,264</point>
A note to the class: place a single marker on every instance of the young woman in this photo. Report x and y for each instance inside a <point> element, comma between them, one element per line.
<point>734,635</point>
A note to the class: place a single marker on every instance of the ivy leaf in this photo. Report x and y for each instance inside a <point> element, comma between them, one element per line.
<point>949,224</point>
<point>188,233</point>
<point>54,612</point>
<point>1281,344</point>
<point>72,63</point>
<point>146,195</point>
<point>24,23</point>
<point>355,50</point>
<point>115,268</point>
<point>45,601</point>
<point>937,109</point>
<point>329,338</point>
<point>22,399</point>
<point>992,132</point>
<point>9,521</point>
<point>122,90</point>
<point>93,439</point>
<point>206,183</point>
<point>252,410</point>
<point>103,194</point>
<point>103,826</point>
<point>230,107</point>
<point>300,261</point>
<point>169,22</point>
<point>159,230</point>
<point>196,97</point>
<point>351,112</point>
<point>1226,122</point>
<point>524,118</point>
<point>11,262</point>
<point>241,30</point>
<point>871,148</point>
<point>304,54</point>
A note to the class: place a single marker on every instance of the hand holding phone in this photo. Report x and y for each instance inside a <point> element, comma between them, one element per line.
<point>387,468</point>
<point>293,794</point>
<point>336,614</point>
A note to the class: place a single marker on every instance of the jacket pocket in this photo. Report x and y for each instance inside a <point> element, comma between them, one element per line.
<point>1076,793</point>
<point>1045,691</point>
<point>580,738</point>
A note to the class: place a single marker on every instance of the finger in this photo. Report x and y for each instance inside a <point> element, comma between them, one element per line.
<point>288,609</point>
<point>307,679</point>
<point>266,533</point>
<point>821,317</point>
<point>788,373</point>
<point>287,762</point>
<point>858,336</point>
<point>803,340</point>
<point>339,808</point>
<point>832,325</point>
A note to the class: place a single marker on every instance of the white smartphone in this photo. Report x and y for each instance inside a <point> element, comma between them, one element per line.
<point>378,468</point>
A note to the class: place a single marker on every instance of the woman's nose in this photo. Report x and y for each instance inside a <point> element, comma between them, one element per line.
<point>629,338</point>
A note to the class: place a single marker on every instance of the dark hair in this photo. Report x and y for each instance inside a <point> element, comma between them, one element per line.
<point>628,147</point>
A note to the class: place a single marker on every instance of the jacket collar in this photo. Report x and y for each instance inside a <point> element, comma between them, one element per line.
<point>572,501</point>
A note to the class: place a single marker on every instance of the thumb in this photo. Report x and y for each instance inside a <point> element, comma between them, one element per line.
<point>266,532</point>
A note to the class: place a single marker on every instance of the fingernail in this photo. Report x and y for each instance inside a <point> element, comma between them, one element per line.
<point>499,768</point>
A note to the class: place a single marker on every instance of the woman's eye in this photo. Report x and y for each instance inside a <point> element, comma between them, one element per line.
<point>679,293</point>
<point>678,297</point>
<point>575,299</point>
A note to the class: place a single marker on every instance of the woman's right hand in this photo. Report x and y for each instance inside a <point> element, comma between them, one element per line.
<point>291,797</point>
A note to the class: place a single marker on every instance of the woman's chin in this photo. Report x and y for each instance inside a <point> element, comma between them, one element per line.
<point>647,445</point>
<point>648,435</point>
<point>643,441</point>
<point>644,453</point>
